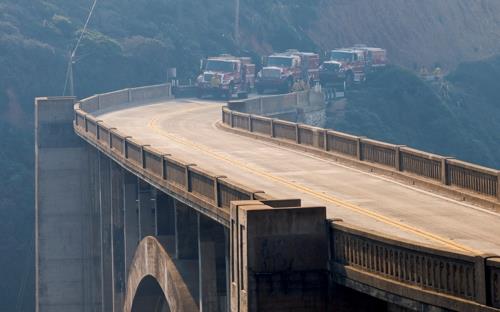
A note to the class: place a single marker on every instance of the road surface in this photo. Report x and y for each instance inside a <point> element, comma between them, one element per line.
<point>186,129</point>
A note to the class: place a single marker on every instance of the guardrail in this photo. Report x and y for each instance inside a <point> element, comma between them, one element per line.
<point>162,169</point>
<point>434,274</point>
<point>449,172</point>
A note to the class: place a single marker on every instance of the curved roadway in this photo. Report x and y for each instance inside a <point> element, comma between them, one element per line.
<point>187,130</point>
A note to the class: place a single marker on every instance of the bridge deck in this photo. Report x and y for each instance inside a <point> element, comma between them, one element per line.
<point>186,129</point>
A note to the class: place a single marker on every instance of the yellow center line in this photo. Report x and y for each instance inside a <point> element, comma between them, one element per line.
<point>153,124</point>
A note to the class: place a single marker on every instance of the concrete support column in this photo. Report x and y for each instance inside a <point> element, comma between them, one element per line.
<point>131,217</point>
<point>270,270</point>
<point>186,236</point>
<point>95,229</point>
<point>147,213</point>
<point>105,233</point>
<point>212,265</point>
<point>117,226</point>
<point>64,244</point>
<point>165,215</point>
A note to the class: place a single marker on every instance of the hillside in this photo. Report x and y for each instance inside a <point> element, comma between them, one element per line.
<point>133,42</point>
<point>457,117</point>
<point>415,32</point>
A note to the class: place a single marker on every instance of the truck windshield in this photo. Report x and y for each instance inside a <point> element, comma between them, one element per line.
<point>341,56</point>
<point>331,66</point>
<point>279,61</point>
<point>220,66</point>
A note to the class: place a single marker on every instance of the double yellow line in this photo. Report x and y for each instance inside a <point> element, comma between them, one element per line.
<point>153,124</point>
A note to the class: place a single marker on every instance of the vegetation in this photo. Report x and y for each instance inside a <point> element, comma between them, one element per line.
<point>132,43</point>
<point>455,117</point>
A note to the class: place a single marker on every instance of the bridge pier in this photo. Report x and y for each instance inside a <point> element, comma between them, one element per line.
<point>147,209</point>
<point>165,215</point>
<point>117,234</point>
<point>186,234</point>
<point>131,217</point>
<point>106,232</point>
<point>212,265</point>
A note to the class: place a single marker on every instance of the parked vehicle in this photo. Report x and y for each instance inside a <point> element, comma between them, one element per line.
<point>226,76</point>
<point>283,71</point>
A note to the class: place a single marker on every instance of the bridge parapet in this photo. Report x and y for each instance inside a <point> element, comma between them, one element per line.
<point>459,178</point>
<point>445,278</point>
<point>203,188</point>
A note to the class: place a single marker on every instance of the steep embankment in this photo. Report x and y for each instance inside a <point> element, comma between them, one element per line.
<point>416,32</point>
<point>457,117</point>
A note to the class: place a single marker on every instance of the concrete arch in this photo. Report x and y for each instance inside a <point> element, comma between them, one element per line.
<point>151,261</point>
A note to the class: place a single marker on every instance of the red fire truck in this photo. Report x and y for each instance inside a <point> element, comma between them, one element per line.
<point>226,76</point>
<point>284,70</point>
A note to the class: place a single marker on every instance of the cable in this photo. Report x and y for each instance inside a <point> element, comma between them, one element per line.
<point>69,71</point>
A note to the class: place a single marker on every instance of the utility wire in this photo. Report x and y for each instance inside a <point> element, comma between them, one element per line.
<point>69,71</point>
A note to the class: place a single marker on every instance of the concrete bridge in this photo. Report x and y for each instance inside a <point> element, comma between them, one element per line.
<point>150,203</point>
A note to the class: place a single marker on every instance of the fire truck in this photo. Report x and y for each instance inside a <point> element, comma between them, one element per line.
<point>284,71</point>
<point>351,65</point>
<point>375,58</point>
<point>352,62</point>
<point>226,76</point>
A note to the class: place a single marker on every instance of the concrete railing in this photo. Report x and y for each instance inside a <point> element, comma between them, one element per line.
<point>110,99</point>
<point>432,275</point>
<point>449,172</point>
<point>185,179</point>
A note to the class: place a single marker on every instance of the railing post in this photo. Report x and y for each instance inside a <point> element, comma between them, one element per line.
<point>297,133</point>
<point>498,185</point>
<point>480,278</point>
<point>217,190</point>
<point>143,158</point>
<point>397,157</point>
<point>110,140</point>
<point>98,130</point>
<point>325,141</point>
<point>188,177</point>
<point>359,148</point>
<point>125,143</point>
<point>86,124</point>
<point>272,128</point>
<point>445,178</point>
<point>250,128</point>
<point>163,166</point>
<point>231,119</point>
